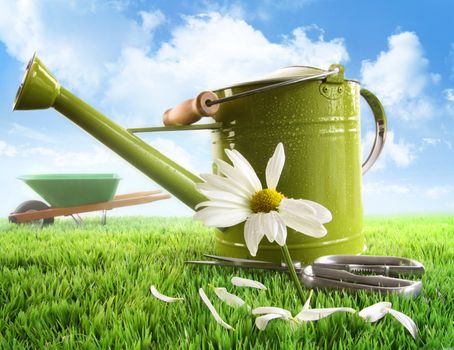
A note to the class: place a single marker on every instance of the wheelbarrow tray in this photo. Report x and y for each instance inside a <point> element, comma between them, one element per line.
<point>117,202</point>
<point>69,190</point>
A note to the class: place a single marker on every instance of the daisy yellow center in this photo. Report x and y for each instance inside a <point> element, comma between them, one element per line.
<point>266,200</point>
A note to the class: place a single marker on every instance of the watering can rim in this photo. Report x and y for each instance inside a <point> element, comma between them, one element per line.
<point>20,89</point>
<point>69,176</point>
<point>282,74</point>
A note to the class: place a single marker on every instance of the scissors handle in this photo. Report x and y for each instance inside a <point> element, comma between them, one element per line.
<point>385,265</point>
<point>320,278</point>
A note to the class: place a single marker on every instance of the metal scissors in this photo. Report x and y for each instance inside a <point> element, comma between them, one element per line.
<point>350,272</point>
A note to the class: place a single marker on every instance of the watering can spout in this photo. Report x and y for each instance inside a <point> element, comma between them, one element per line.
<point>39,89</point>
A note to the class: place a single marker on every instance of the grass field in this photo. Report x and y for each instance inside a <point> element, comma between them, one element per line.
<point>88,287</point>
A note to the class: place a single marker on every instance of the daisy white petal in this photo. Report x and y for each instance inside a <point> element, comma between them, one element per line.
<point>245,282</point>
<point>252,233</point>
<point>304,224</point>
<point>222,204</point>
<point>275,166</point>
<point>317,314</point>
<point>406,321</point>
<point>262,321</point>
<point>234,174</point>
<point>213,310</point>
<point>229,298</point>
<point>224,184</point>
<point>281,229</point>
<point>285,314</point>
<point>296,207</point>
<point>163,297</point>
<point>238,159</point>
<point>221,217</point>
<point>323,214</point>
<point>269,225</point>
<point>216,195</point>
<point>243,165</point>
<point>375,312</point>
<point>209,190</point>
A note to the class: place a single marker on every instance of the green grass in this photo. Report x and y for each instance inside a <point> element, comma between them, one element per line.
<point>87,287</point>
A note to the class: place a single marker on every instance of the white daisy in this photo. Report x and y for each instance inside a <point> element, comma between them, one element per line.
<point>239,196</point>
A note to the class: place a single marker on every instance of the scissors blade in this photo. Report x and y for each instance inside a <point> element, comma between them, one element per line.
<point>240,264</point>
<point>228,258</point>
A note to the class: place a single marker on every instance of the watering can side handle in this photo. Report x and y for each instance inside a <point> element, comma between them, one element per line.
<point>380,128</point>
<point>190,111</point>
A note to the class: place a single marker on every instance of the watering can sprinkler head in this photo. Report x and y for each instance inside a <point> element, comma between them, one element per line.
<point>38,89</point>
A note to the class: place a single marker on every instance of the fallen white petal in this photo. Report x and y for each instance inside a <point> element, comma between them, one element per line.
<point>245,282</point>
<point>262,321</point>
<point>317,314</point>
<point>229,298</point>
<point>375,312</point>
<point>406,321</point>
<point>213,310</point>
<point>307,304</point>
<point>275,166</point>
<point>285,314</point>
<point>163,297</point>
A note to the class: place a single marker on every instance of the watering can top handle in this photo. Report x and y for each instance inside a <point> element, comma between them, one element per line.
<point>380,128</point>
<point>207,103</point>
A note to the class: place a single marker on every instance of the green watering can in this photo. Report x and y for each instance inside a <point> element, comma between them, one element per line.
<point>314,113</point>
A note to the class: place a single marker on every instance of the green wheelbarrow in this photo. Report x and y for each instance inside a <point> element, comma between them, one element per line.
<point>72,194</point>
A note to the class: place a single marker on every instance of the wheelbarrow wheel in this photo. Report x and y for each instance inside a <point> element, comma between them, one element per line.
<point>30,206</point>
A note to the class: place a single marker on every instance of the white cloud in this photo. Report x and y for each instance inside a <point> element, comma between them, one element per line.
<point>403,196</point>
<point>382,188</point>
<point>38,151</point>
<point>400,152</point>
<point>207,52</point>
<point>151,20</point>
<point>7,149</point>
<point>430,141</point>
<point>176,153</point>
<point>449,94</point>
<point>400,78</point>
<point>437,192</point>
<point>67,160</point>
<point>30,133</point>
<point>451,55</point>
<point>75,40</point>
<point>59,158</point>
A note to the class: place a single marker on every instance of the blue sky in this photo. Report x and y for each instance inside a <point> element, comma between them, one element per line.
<point>134,59</point>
